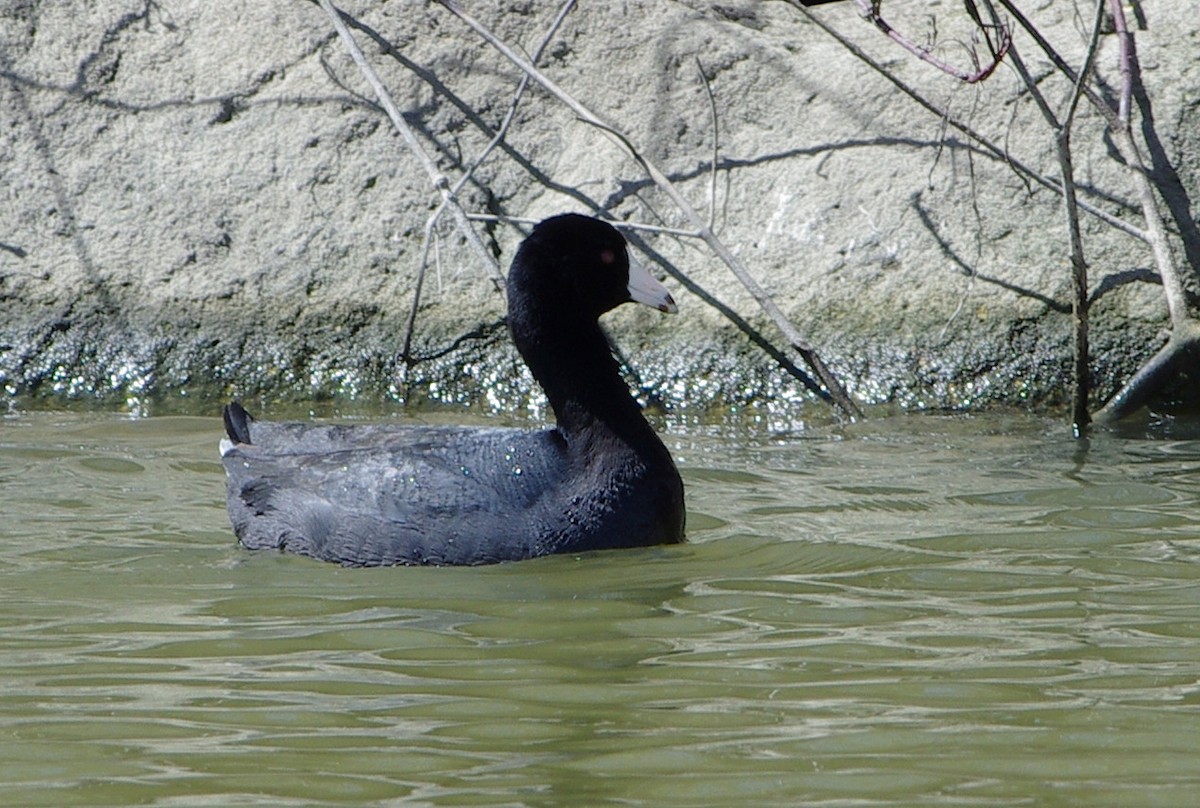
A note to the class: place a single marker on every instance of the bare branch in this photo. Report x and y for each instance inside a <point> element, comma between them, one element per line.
<point>870,10</point>
<point>406,358</point>
<point>1183,347</point>
<point>765,302</point>
<point>1140,387</point>
<point>1059,62</point>
<point>986,144</point>
<point>498,138</point>
<point>437,178</point>
<point>410,327</point>
<point>637,226</point>
<point>1080,417</point>
<point>1173,288</point>
<point>716,146</point>
<point>1124,60</point>
<point>1181,353</point>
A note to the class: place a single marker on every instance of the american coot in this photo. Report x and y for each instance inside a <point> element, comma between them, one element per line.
<point>368,495</point>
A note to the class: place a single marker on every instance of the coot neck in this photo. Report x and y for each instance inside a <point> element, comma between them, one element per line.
<point>572,361</point>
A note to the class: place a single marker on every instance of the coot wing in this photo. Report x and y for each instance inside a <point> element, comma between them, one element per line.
<point>387,494</point>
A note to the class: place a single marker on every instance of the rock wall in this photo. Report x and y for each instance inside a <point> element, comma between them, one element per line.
<point>201,202</point>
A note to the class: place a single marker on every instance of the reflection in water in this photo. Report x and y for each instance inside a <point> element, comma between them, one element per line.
<point>908,611</point>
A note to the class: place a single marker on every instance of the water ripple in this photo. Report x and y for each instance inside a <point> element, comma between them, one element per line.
<point>939,611</point>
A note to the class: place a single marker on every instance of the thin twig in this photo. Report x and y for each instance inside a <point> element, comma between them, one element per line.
<point>1059,62</point>
<point>768,305</point>
<point>1031,84</point>
<point>1080,417</point>
<point>1173,288</point>
<point>645,228</point>
<point>1155,232</point>
<point>1184,343</point>
<point>406,357</point>
<point>1000,154</point>
<point>431,222</point>
<point>498,138</point>
<point>437,178</point>
<point>1089,62</point>
<point>1124,62</point>
<point>716,147</point>
<point>870,11</point>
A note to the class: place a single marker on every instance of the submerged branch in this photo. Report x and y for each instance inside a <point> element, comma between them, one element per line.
<point>1080,415</point>
<point>1181,353</point>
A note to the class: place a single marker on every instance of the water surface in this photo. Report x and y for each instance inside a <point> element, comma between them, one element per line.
<point>909,611</point>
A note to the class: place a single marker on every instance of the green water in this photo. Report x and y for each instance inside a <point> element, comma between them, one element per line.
<point>909,611</point>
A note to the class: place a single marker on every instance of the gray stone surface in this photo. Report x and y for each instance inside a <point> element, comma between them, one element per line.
<point>201,201</point>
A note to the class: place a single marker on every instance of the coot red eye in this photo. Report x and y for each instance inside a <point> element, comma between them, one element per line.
<point>607,256</point>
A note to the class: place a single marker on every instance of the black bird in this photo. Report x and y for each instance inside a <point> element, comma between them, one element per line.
<point>388,494</point>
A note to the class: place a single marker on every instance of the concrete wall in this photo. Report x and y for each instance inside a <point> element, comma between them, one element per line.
<point>201,201</point>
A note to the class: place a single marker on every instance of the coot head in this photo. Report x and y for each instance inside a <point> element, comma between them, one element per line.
<point>579,264</point>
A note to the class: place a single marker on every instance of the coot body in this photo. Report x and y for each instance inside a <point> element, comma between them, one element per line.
<point>370,495</point>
